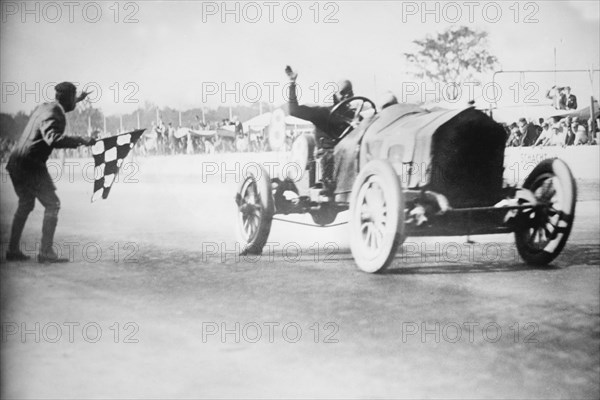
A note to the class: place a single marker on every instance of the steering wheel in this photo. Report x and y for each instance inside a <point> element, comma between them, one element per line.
<point>340,115</point>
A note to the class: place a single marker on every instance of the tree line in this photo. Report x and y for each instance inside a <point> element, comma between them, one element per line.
<point>86,115</point>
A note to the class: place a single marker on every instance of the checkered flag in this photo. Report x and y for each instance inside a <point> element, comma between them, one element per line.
<point>108,156</point>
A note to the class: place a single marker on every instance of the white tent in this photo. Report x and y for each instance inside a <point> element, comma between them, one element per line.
<point>258,122</point>
<point>263,120</point>
<point>297,122</point>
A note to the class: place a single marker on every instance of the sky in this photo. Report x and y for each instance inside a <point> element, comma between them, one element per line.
<point>186,54</point>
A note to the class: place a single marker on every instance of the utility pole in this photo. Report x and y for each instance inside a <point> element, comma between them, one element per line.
<point>554,65</point>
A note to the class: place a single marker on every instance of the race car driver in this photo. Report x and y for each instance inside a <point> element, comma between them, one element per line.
<point>327,131</point>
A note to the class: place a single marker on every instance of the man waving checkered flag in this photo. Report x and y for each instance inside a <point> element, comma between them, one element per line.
<point>109,154</point>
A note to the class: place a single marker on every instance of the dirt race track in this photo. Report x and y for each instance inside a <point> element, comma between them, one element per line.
<point>156,303</point>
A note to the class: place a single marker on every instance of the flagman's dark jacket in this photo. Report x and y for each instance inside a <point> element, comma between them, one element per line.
<point>43,133</point>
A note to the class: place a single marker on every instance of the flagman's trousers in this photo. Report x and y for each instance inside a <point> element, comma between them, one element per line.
<point>30,185</point>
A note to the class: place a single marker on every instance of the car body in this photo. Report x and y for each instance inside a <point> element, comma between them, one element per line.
<point>409,171</point>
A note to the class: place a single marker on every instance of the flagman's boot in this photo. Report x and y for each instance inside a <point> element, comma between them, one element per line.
<point>47,254</point>
<point>16,256</point>
<point>14,253</point>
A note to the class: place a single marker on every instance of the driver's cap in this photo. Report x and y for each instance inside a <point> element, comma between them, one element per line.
<point>345,88</point>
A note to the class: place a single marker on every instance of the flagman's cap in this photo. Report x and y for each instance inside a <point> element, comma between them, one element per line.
<point>66,88</point>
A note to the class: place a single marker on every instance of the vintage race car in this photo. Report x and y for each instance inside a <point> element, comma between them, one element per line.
<point>408,171</point>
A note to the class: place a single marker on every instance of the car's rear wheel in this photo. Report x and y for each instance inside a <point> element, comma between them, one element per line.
<point>376,216</point>
<point>542,231</point>
<point>255,211</point>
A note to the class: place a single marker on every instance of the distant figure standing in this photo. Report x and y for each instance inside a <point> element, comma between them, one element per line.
<point>557,96</point>
<point>172,140</point>
<point>571,129</point>
<point>209,148</point>
<point>239,128</point>
<point>190,145</point>
<point>570,99</point>
<point>160,138</point>
<point>29,174</point>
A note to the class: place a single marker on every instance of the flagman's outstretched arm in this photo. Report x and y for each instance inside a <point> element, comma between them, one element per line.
<point>72,142</point>
<point>52,130</point>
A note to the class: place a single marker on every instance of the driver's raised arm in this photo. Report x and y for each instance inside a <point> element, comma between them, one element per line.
<point>316,114</point>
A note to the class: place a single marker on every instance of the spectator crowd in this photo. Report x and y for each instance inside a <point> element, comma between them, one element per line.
<point>200,138</point>
<point>556,131</point>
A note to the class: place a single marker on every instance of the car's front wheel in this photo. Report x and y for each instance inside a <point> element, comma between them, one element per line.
<point>542,231</point>
<point>376,216</point>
